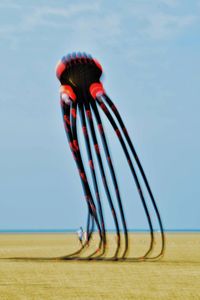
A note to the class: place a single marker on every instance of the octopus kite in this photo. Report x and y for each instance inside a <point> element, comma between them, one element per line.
<point>83,96</point>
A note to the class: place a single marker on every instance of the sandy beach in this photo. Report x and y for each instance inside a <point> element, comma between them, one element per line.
<point>176,276</point>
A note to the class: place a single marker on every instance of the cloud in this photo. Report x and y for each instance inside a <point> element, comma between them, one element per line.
<point>101,22</point>
<point>155,22</point>
<point>34,16</point>
<point>10,4</point>
<point>164,26</point>
<point>170,3</point>
<point>43,15</point>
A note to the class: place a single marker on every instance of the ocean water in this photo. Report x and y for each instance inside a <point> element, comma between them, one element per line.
<point>28,231</point>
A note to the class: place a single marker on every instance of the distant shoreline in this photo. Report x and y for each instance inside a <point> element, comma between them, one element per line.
<point>4,231</point>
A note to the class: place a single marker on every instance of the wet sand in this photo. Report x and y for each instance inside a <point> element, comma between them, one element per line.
<point>176,276</point>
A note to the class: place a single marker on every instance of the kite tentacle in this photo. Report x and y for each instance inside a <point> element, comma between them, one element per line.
<point>118,133</point>
<point>114,179</point>
<point>66,117</point>
<point>98,154</point>
<point>65,107</point>
<point>93,173</point>
<point>83,176</point>
<point>126,134</point>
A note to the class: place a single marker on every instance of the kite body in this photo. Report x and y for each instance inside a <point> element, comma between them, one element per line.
<point>82,95</point>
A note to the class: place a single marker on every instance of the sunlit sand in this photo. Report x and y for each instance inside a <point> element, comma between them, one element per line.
<point>176,276</point>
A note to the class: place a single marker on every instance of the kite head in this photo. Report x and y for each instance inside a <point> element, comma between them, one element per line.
<point>78,70</point>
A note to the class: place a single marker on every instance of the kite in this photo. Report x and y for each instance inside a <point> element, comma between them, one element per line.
<point>83,96</point>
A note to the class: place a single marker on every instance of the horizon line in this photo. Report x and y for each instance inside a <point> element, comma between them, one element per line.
<point>71,230</point>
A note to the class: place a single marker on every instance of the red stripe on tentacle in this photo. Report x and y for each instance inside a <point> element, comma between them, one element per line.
<point>100,127</point>
<point>66,127</point>
<point>66,119</point>
<point>97,195</point>
<point>96,146</point>
<point>109,159</point>
<point>118,133</point>
<point>93,208</point>
<point>84,130</point>
<point>91,164</point>
<point>129,162</point>
<point>114,108</point>
<point>104,107</point>
<point>74,156</point>
<point>74,146</point>
<point>125,130</point>
<point>71,146</point>
<point>75,143</point>
<point>88,113</point>
<point>73,112</point>
<point>82,174</point>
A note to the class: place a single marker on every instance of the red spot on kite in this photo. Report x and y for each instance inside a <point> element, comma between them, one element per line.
<point>75,143</point>
<point>84,130</point>
<point>82,174</point>
<point>60,69</point>
<point>96,89</point>
<point>66,127</point>
<point>113,107</point>
<point>104,107</point>
<point>88,113</point>
<point>73,112</point>
<point>96,146</point>
<point>109,159</point>
<point>129,162</point>
<point>68,90</point>
<point>67,119</point>
<point>125,131</point>
<point>100,127</point>
<point>118,133</point>
<point>97,64</point>
<point>91,164</point>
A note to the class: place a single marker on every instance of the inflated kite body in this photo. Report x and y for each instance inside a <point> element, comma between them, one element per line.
<point>82,95</point>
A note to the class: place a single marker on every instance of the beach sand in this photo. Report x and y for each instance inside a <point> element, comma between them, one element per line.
<point>176,276</point>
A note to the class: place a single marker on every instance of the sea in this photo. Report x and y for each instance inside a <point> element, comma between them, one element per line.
<point>29,231</point>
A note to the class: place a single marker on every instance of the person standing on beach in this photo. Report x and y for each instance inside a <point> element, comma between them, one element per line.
<point>80,235</point>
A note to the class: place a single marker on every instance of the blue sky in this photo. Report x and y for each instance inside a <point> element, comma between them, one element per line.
<point>150,53</point>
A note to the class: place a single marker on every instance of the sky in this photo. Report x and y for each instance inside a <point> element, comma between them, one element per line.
<point>150,53</point>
